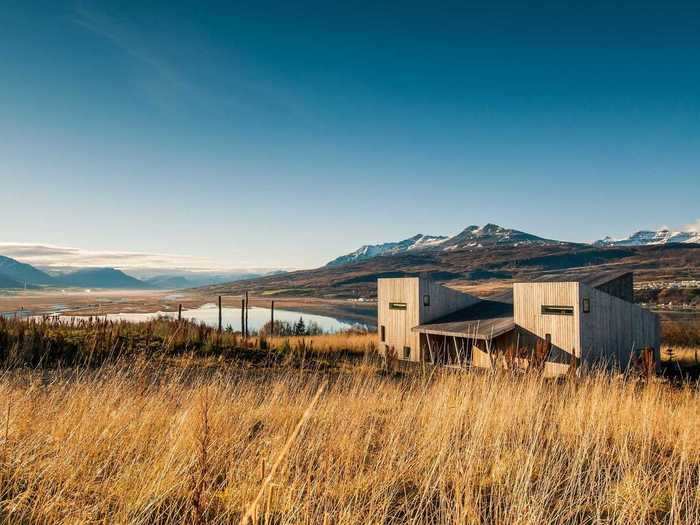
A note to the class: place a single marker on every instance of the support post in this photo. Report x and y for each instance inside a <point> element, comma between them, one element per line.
<point>272,319</point>
<point>430,349</point>
<point>179,313</point>
<point>459,359</point>
<point>220,314</point>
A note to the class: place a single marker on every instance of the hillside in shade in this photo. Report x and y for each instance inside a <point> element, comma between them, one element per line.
<point>101,278</point>
<point>23,273</point>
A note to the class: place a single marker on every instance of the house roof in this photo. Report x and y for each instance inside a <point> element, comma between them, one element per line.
<point>592,279</point>
<point>486,319</point>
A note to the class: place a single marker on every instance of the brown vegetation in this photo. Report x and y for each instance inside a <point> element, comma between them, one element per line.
<point>176,426</point>
<point>142,445</point>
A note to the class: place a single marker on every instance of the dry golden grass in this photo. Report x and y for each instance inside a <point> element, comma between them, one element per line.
<point>142,445</point>
<point>686,356</point>
<point>356,342</point>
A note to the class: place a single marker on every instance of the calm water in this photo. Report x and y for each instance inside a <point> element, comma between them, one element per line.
<point>257,317</point>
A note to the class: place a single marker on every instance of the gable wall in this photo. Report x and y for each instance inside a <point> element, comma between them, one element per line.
<point>614,328</point>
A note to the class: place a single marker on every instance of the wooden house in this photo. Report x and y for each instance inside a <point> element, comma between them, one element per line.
<point>587,319</point>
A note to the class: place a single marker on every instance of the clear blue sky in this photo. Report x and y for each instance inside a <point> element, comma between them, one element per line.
<point>284,133</point>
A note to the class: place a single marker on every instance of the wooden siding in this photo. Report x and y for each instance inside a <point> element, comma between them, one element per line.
<point>528,299</point>
<point>621,287</point>
<point>443,301</point>
<point>398,323</point>
<point>410,290</point>
<point>614,328</point>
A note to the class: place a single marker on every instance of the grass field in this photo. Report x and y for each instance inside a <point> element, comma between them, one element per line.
<point>174,428</point>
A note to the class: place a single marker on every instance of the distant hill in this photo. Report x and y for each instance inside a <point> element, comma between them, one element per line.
<point>101,278</point>
<point>21,273</point>
<point>6,282</point>
<point>175,281</point>
<point>169,282</point>
<point>463,266</point>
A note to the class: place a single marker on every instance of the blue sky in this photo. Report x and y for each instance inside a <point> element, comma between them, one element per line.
<point>282,134</point>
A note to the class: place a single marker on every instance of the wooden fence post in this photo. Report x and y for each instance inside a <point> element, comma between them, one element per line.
<point>242,317</point>
<point>219,314</point>
<point>179,313</point>
<point>247,305</point>
<point>272,319</point>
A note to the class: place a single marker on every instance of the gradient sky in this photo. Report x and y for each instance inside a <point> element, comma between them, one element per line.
<point>283,134</point>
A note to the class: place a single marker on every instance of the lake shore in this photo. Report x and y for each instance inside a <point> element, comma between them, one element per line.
<point>100,302</point>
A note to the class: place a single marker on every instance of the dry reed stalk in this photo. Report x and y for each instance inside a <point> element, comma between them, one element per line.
<point>280,457</point>
<point>200,474</point>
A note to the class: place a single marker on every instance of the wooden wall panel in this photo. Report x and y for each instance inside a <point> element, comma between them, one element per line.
<point>614,328</point>
<point>443,301</point>
<point>528,299</point>
<point>398,323</point>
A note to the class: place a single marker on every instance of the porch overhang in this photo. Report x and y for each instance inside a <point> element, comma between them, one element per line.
<point>484,320</point>
<point>483,331</point>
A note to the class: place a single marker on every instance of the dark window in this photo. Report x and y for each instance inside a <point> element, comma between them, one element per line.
<point>557,310</point>
<point>397,306</point>
<point>382,332</point>
<point>586,305</point>
<point>426,300</point>
<point>407,352</point>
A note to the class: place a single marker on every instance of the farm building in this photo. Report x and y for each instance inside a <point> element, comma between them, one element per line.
<point>583,319</point>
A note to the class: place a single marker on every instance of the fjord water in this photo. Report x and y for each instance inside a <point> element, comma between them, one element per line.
<point>257,317</point>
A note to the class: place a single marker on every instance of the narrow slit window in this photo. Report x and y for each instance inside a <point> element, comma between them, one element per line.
<point>586,305</point>
<point>397,306</point>
<point>382,332</point>
<point>557,310</point>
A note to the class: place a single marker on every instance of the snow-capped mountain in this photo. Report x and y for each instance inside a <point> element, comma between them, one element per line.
<point>471,237</point>
<point>368,251</point>
<point>648,238</point>
<point>492,235</point>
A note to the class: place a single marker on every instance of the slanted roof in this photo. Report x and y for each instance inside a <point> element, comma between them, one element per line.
<point>493,316</point>
<point>619,284</point>
<point>592,279</point>
<point>486,319</point>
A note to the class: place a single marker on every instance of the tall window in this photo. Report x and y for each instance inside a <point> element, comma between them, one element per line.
<point>382,333</point>
<point>407,352</point>
<point>426,300</point>
<point>586,305</point>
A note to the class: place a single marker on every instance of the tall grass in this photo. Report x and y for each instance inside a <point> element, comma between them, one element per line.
<point>138,444</point>
<point>92,341</point>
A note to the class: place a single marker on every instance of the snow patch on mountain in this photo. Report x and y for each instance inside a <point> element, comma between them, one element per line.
<point>368,251</point>
<point>652,238</point>
<point>492,235</point>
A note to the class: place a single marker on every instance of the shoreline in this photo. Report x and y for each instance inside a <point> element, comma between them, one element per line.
<point>100,302</point>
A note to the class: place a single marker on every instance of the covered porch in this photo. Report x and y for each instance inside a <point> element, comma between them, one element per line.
<point>469,337</point>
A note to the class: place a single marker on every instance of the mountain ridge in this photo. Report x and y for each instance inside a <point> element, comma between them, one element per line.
<point>472,236</point>
<point>491,235</point>
<point>652,238</point>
